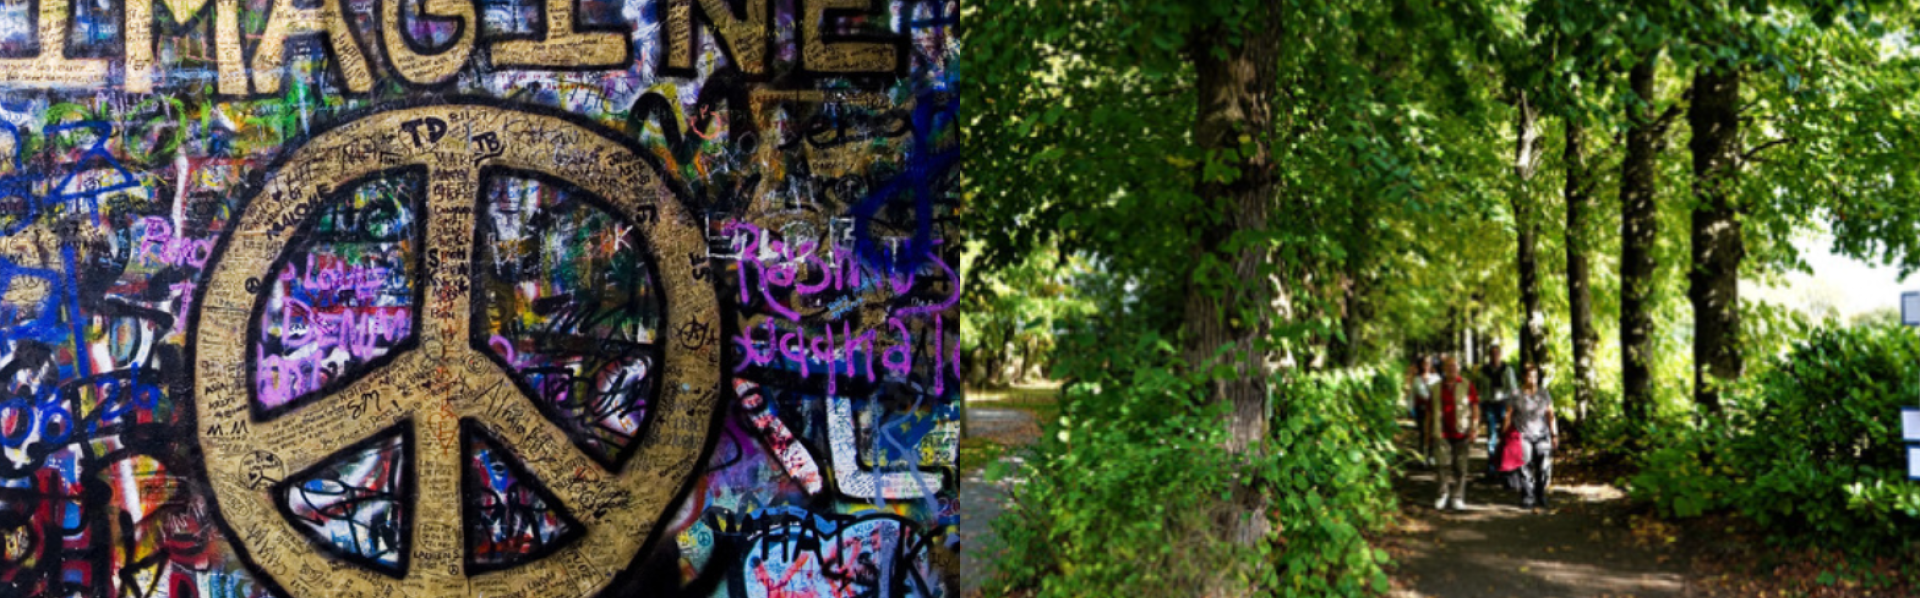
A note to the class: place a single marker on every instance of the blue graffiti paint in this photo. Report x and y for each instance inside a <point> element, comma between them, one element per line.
<point>933,113</point>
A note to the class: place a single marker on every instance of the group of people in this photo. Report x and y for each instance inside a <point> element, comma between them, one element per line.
<point>1518,416</point>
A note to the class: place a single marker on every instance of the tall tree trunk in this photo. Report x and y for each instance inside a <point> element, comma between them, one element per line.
<point>1714,282</point>
<point>1640,229</point>
<point>1579,291</point>
<point>1234,88</point>
<point>1526,160</point>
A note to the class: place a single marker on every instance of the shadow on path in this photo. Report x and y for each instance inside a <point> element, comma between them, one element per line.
<point>1493,549</point>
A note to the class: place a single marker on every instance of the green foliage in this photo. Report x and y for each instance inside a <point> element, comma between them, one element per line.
<point>1885,316</point>
<point>1127,491</point>
<point>1394,220</point>
<point>1013,311</point>
<point>1332,439</point>
<point>1680,476</point>
<point>1811,448</point>
<point>1124,493</point>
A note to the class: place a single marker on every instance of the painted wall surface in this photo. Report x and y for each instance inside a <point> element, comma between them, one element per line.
<point>383,298</point>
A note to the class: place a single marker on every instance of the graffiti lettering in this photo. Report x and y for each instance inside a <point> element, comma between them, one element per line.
<point>454,298</point>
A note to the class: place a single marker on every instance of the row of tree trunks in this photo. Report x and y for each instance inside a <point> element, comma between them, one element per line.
<point>1716,242</point>
<point>1234,92</point>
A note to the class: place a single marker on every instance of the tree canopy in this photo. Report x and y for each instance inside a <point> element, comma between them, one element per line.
<point>1396,213</point>
<point>1238,191</point>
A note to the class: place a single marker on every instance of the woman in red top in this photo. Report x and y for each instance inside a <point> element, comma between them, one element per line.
<point>1455,416</point>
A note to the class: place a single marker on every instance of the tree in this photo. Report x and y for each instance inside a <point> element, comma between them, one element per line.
<point>1579,196</point>
<point>1787,41</point>
<point>1155,121</point>
<point>1640,231</point>
<point>1266,179</point>
<point>1717,244</point>
<point>1227,319</point>
<point>1526,161</point>
<point>1014,310</point>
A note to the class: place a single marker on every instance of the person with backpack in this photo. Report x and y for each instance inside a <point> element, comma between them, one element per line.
<point>1502,385</point>
<point>1454,416</point>
<point>1531,413</point>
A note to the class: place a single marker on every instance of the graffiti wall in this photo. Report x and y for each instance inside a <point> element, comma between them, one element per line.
<point>384,298</point>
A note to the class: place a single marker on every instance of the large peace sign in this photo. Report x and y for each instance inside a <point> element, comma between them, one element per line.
<point>430,397</point>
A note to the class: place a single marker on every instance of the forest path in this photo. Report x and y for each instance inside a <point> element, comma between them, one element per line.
<point>999,423</point>
<point>1582,548</point>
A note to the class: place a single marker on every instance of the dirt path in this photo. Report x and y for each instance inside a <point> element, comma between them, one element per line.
<point>981,500</point>
<point>1581,548</point>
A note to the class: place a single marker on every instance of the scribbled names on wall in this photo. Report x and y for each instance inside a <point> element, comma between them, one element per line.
<point>478,297</point>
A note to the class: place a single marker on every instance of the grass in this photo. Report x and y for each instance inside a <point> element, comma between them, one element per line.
<point>976,452</point>
<point>1041,401</point>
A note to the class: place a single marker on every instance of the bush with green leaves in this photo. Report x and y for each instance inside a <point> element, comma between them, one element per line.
<point>1810,447</point>
<point>1121,496</point>
<point>1332,453</point>
<point>1125,493</point>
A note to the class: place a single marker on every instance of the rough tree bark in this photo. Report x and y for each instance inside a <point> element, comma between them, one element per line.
<point>1714,283</point>
<point>1640,229</point>
<point>1526,161</point>
<point>1579,283</point>
<point>1234,86</point>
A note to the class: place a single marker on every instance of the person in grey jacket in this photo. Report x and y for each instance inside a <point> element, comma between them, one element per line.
<point>1531,411</point>
<point>1500,384</point>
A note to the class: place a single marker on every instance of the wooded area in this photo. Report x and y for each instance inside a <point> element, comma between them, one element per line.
<point>1230,225</point>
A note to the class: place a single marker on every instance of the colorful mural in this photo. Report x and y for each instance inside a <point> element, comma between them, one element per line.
<point>376,298</point>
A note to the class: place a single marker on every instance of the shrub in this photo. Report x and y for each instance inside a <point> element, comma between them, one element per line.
<point>1825,451</point>
<point>1125,493</point>
<point>1121,496</point>
<point>1333,451</point>
<point>1687,474</point>
<point>1810,447</point>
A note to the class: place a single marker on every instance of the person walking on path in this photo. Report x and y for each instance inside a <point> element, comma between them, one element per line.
<point>1502,385</point>
<point>1455,417</point>
<point>1531,412</point>
<point>1419,383</point>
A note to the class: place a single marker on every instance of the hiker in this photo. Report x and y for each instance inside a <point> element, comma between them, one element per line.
<point>1419,384</point>
<point>1531,412</point>
<point>1430,374</point>
<point>1455,417</point>
<point>1498,378</point>
<point>1416,393</point>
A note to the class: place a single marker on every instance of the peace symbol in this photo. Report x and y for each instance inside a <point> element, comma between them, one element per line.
<point>444,384</point>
